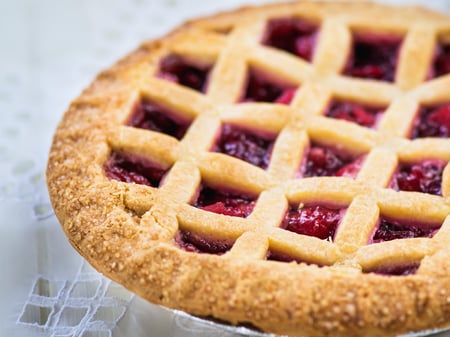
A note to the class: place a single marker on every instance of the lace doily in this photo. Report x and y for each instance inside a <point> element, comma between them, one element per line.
<point>89,305</point>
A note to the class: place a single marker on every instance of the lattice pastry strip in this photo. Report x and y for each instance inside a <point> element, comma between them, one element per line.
<point>225,145</point>
<point>334,37</point>
<point>289,68</point>
<point>282,166</point>
<point>249,246</point>
<point>417,51</point>
<point>396,252</point>
<point>372,172</point>
<point>173,97</point>
<point>417,150</point>
<point>398,118</point>
<point>432,92</point>
<point>229,74</point>
<point>208,51</point>
<point>357,225</point>
<point>312,99</point>
<point>379,93</point>
<point>303,248</point>
<point>159,147</point>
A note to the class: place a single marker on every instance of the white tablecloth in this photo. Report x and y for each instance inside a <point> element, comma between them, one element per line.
<point>50,50</point>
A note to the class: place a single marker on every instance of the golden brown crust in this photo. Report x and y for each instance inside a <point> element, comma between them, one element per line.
<point>126,231</point>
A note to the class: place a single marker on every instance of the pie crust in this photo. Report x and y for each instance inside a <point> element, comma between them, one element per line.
<point>128,231</point>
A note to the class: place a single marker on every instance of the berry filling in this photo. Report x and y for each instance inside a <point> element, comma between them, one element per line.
<point>318,221</point>
<point>226,203</point>
<point>353,112</point>
<point>244,145</point>
<point>374,57</point>
<point>133,169</point>
<point>389,230</point>
<point>401,270</point>
<point>196,243</point>
<point>441,64</point>
<point>175,69</point>
<point>425,177</point>
<point>292,35</point>
<point>432,122</point>
<point>151,117</point>
<point>322,161</point>
<point>260,89</point>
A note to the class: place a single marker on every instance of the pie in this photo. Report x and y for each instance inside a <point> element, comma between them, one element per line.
<point>284,167</point>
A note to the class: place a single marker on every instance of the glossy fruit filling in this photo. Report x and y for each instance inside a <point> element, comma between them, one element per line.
<point>293,35</point>
<point>324,161</point>
<point>244,145</point>
<point>432,122</point>
<point>353,112</point>
<point>133,169</point>
<point>441,65</point>
<point>374,57</point>
<point>389,230</point>
<point>149,116</point>
<point>318,221</point>
<point>262,89</point>
<point>174,68</point>
<point>196,243</point>
<point>224,202</point>
<point>401,270</point>
<point>425,177</point>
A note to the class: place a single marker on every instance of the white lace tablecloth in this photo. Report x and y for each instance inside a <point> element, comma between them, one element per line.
<point>49,51</point>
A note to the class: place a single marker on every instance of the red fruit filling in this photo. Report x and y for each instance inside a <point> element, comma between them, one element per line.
<point>151,117</point>
<point>174,68</point>
<point>374,57</point>
<point>432,122</point>
<point>353,112</point>
<point>196,243</point>
<point>393,229</point>
<point>292,35</point>
<point>425,177</point>
<point>441,64</point>
<point>260,89</point>
<point>351,170</point>
<point>318,221</point>
<point>286,96</point>
<point>133,169</point>
<point>402,270</point>
<point>244,145</point>
<point>322,161</point>
<point>226,203</point>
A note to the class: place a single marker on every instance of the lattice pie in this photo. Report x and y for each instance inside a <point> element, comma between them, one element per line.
<point>284,167</point>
